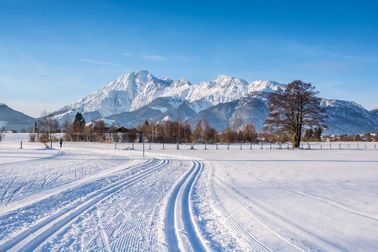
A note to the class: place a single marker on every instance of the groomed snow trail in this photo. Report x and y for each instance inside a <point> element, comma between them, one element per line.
<point>181,230</point>
<point>33,237</point>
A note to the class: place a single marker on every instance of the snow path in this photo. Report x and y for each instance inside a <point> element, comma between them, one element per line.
<point>128,217</point>
<point>180,227</point>
<point>33,237</point>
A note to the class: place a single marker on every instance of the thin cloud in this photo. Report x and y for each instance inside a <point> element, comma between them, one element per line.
<point>153,57</point>
<point>100,62</point>
<point>127,54</point>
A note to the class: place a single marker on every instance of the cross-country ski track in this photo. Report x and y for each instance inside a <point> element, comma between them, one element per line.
<point>180,227</point>
<point>30,239</point>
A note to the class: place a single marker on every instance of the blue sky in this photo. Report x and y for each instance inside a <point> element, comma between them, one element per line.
<point>53,52</point>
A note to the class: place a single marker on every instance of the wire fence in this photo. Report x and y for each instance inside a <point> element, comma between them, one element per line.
<point>249,146</point>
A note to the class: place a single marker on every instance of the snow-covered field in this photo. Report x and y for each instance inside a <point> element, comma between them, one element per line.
<point>93,197</point>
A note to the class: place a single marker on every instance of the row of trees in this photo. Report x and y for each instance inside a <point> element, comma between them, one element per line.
<point>176,132</point>
<point>163,132</point>
<point>368,137</point>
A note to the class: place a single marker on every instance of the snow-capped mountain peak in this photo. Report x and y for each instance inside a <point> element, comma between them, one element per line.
<point>228,80</point>
<point>265,86</point>
<point>136,89</point>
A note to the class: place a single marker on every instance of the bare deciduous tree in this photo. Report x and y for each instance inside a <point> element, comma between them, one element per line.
<point>293,109</point>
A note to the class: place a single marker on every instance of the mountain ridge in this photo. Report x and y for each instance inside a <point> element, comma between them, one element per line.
<point>11,119</point>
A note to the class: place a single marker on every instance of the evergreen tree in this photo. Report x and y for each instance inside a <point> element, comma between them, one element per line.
<point>318,133</point>
<point>79,123</point>
<point>309,134</point>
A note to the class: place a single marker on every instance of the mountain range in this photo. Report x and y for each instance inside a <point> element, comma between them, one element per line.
<point>138,96</point>
<point>11,119</point>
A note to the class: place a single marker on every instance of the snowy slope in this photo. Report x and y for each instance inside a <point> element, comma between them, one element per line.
<point>252,109</point>
<point>136,89</point>
<point>160,109</point>
<point>347,117</point>
<point>375,111</point>
<point>11,119</point>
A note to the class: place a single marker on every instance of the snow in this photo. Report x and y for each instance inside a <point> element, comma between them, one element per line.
<point>92,196</point>
<point>136,89</point>
<point>161,109</point>
<point>15,137</point>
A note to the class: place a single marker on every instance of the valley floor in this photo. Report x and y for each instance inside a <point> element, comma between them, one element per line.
<point>94,197</point>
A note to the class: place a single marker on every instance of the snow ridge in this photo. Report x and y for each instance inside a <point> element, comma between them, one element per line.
<point>136,89</point>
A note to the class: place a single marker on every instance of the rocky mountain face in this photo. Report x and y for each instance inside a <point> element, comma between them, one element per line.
<point>11,119</point>
<point>140,96</point>
<point>375,111</point>
<point>346,117</point>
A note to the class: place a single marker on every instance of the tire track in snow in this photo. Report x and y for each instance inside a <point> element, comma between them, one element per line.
<point>179,208</point>
<point>33,237</point>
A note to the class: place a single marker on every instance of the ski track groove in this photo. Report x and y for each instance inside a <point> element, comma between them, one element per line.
<point>182,192</point>
<point>325,200</point>
<point>284,223</point>
<point>72,212</point>
<point>249,240</point>
<point>102,232</point>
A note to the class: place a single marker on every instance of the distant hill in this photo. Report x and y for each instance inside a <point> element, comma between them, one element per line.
<point>11,119</point>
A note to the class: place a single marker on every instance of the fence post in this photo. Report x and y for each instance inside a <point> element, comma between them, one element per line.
<point>132,145</point>
<point>143,144</point>
<point>216,146</point>
<point>262,145</point>
<point>149,147</point>
<point>177,146</point>
<point>205,146</point>
<point>321,146</point>
<point>358,146</point>
<point>365,145</point>
<point>250,146</point>
<point>115,145</point>
<point>228,146</point>
<point>163,147</point>
<point>241,146</point>
<point>330,146</point>
<point>348,146</point>
<point>339,146</point>
<point>20,144</point>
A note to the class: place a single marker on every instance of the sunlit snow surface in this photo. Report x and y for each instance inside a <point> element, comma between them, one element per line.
<point>89,196</point>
